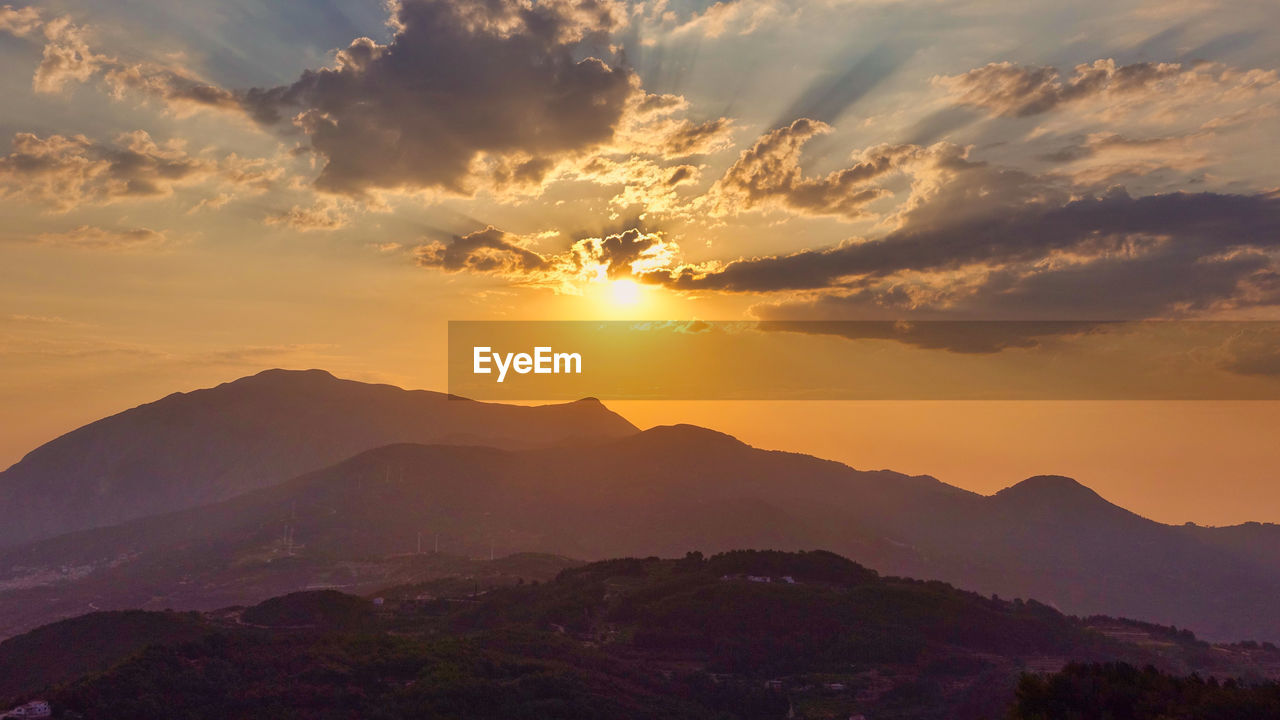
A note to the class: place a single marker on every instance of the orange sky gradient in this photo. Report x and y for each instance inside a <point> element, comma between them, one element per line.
<point>197,193</point>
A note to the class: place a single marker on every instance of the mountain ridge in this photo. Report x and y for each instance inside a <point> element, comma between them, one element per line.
<point>191,448</point>
<point>665,491</point>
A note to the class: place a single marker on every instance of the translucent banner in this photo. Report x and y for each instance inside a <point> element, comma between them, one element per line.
<point>865,360</point>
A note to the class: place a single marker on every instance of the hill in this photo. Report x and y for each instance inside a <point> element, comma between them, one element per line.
<point>1120,690</point>
<point>743,634</point>
<point>87,644</point>
<point>663,491</point>
<point>195,448</point>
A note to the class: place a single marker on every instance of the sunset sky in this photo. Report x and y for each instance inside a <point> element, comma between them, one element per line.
<point>195,191</point>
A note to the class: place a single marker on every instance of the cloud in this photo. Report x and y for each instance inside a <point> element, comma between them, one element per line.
<point>466,91</point>
<point>1181,277</point>
<point>325,214</point>
<point>1108,144</point>
<point>90,237</point>
<point>1196,228</point>
<point>1103,158</point>
<point>725,17</point>
<point>488,251</point>
<point>1168,279</point>
<point>769,175</point>
<point>468,95</point>
<point>1009,90</point>
<point>981,242</point>
<point>1012,90</point>
<point>66,57</point>
<point>177,88</point>
<point>672,137</point>
<point>631,252</point>
<point>19,21</point>
<point>641,183</point>
<point>65,172</point>
<point>655,125</point>
<point>491,251</point>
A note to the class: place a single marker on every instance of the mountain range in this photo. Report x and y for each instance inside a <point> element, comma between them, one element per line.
<point>194,448</point>
<point>588,485</point>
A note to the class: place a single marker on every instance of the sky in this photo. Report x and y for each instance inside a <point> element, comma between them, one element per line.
<point>196,191</point>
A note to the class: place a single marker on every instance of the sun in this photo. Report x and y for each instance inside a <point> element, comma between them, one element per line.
<point>624,292</point>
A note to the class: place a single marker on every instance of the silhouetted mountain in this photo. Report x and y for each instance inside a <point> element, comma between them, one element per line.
<point>1043,491</point>
<point>744,634</point>
<point>1259,542</point>
<point>663,491</point>
<point>194,448</point>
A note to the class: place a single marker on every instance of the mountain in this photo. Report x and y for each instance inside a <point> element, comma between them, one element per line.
<point>663,491</point>
<point>744,634</point>
<point>1057,540</point>
<point>195,448</point>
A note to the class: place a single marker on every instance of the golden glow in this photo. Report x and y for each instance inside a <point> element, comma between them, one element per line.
<point>625,293</point>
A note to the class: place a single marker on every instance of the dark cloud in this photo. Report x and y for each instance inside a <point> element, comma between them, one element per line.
<point>1172,280</point>
<point>686,137</point>
<point>467,95</point>
<point>994,244</point>
<point>1077,268</point>
<point>681,174</point>
<point>462,84</point>
<point>65,172</point>
<point>990,243</point>
<point>590,259</point>
<point>1012,90</point>
<point>171,86</point>
<point>1179,277</point>
<point>488,251</point>
<point>1187,228</point>
<point>621,254</point>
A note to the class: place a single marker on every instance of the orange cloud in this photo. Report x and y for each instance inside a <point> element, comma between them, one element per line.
<point>90,237</point>
<point>768,175</point>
